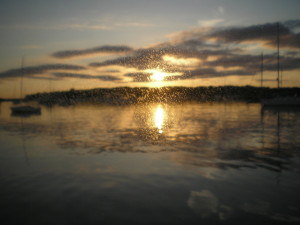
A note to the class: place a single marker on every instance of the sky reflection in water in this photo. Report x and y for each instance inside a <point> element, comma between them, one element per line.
<point>190,163</point>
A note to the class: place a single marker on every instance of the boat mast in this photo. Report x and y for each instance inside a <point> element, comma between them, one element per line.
<point>262,70</point>
<point>22,75</point>
<point>278,65</point>
<point>281,78</point>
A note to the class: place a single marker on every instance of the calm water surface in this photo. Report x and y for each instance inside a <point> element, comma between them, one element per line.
<point>151,164</point>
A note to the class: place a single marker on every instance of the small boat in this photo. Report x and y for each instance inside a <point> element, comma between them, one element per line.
<point>25,110</point>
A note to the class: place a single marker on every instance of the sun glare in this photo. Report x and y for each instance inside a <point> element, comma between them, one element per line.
<point>158,76</point>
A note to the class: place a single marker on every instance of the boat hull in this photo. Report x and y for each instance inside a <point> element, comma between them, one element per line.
<point>282,101</point>
<point>25,110</point>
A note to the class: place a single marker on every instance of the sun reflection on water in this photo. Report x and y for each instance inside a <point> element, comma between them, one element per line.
<point>159,118</point>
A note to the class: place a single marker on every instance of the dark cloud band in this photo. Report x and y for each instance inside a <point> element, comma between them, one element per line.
<point>86,76</point>
<point>89,51</point>
<point>28,71</point>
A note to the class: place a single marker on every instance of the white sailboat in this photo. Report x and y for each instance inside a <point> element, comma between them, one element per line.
<point>23,109</point>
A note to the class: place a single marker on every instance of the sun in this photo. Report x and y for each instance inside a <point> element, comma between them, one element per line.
<point>158,76</point>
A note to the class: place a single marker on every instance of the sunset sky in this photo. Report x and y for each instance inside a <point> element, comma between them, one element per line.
<point>89,44</point>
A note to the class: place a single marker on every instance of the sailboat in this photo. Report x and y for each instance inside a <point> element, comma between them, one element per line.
<point>24,110</point>
<point>280,101</point>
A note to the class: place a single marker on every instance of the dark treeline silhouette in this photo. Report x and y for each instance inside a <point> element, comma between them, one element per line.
<point>126,95</point>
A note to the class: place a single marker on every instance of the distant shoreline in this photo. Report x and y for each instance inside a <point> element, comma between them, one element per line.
<point>127,95</point>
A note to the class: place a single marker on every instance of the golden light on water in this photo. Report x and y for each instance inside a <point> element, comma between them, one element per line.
<point>159,118</point>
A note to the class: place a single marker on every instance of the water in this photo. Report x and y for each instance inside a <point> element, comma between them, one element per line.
<point>151,164</point>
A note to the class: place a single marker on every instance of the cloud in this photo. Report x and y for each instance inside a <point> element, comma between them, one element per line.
<point>141,59</point>
<point>86,76</point>
<point>89,51</point>
<point>252,62</point>
<point>139,76</point>
<point>257,32</point>
<point>198,53</point>
<point>113,71</point>
<point>266,33</point>
<point>292,24</point>
<point>193,34</point>
<point>29,71</point>
<point>152,58</point>
<point>209,73</point>
<point>213,58</point>
<point>286,63</point>
<point>209,23</point>
<point>260,33</point>
<point>191,74</point>
<point>292,41</point>
<point>44,78</point>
